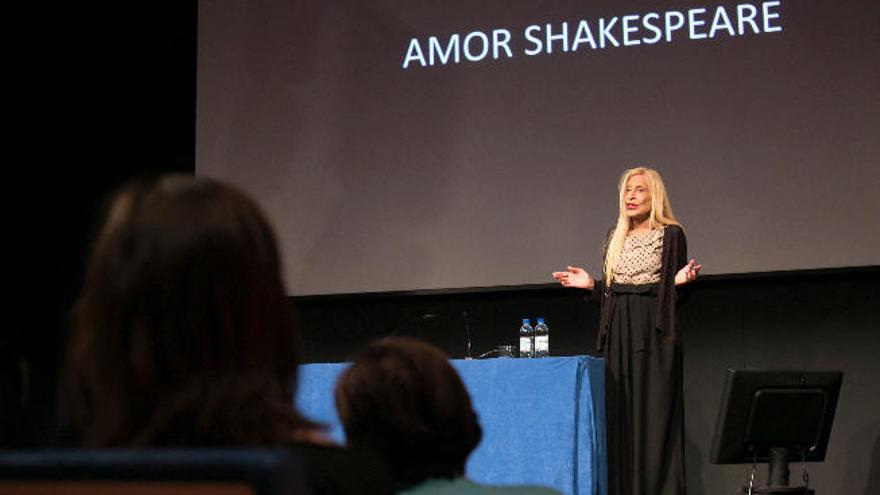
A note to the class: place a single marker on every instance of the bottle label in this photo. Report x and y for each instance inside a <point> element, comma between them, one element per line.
<point>525,347</point>
<point>542,345</point>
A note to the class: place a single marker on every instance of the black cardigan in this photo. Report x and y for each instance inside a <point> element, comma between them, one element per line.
<point>672,259</point>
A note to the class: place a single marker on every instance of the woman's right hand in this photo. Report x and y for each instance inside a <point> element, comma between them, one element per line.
<point>574,276</point>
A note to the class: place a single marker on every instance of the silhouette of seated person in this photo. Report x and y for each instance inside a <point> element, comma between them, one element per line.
<point>183,335</point>
<point>402,400</point>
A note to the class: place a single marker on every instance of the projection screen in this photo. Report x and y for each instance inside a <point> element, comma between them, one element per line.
<point>406,145</point>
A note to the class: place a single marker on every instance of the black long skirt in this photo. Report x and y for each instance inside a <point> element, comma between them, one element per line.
<point>644,407</point>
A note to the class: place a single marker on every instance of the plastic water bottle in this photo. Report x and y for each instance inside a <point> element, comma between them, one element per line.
<point>542,339</point>
<point>526,339</point>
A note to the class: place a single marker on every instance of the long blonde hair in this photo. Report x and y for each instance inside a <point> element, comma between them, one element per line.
<point>661,215</point>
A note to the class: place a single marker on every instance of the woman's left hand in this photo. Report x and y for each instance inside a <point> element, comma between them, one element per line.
<point>688,273</point>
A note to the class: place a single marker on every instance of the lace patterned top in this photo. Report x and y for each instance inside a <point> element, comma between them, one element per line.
<point>640,257</point>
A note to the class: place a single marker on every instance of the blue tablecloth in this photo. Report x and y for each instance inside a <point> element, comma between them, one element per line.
<point>543,419</point>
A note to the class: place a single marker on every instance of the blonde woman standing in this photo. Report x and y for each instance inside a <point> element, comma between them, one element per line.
<point>645,267</point>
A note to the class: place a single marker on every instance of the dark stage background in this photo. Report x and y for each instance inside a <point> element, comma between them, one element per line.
<point>819,320</point>
<point>129,109</point>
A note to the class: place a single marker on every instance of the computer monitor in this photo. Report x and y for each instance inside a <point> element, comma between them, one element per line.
<point>775,409</point>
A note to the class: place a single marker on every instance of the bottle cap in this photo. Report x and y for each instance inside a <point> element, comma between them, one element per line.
<point>540,320</point>
<point>525,321</point>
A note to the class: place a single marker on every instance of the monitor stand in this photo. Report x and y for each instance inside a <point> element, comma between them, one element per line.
<point>777,477</point>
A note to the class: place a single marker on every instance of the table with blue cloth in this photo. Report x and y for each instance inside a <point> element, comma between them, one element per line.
<point>543,420</point>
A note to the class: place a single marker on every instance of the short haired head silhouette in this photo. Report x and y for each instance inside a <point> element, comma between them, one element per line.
<point>402,400</point>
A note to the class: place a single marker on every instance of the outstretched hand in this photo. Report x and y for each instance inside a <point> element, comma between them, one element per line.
<point>574,276</point>
<point>688,273</point>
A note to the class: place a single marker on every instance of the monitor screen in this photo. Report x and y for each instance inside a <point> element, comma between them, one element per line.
<point>763,409</point>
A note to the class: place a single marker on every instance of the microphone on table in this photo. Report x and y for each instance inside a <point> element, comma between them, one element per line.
<point>467,330</point>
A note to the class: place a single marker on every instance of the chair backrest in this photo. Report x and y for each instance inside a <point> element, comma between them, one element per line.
<point>152,472</point>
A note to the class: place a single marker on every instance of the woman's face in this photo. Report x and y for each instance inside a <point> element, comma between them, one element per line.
<point>637,198</point>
